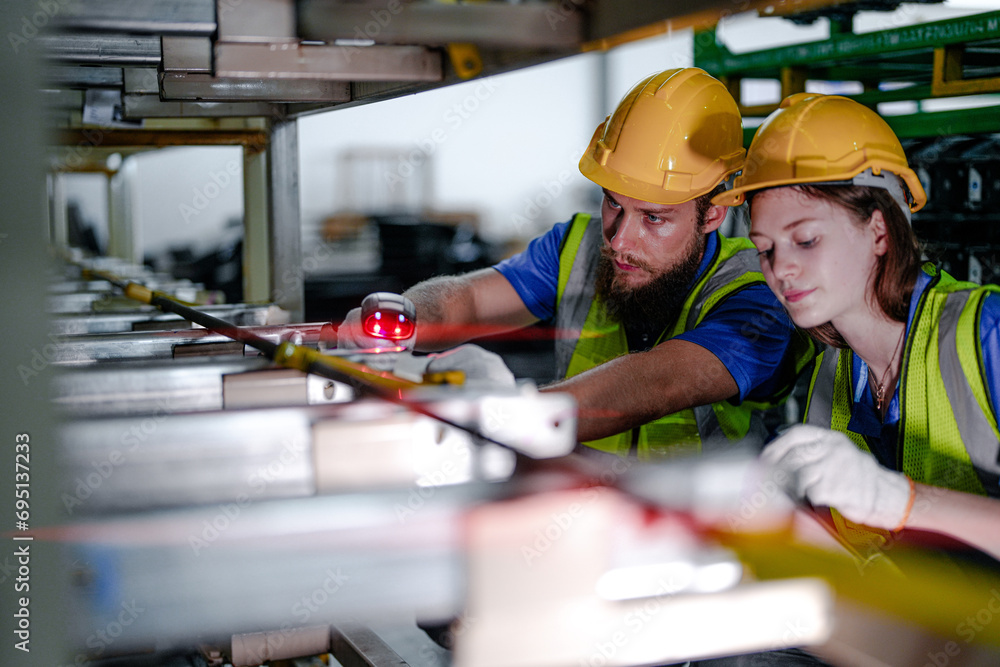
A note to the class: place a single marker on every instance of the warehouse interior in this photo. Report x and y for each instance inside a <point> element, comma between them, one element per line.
<point>267,164</point>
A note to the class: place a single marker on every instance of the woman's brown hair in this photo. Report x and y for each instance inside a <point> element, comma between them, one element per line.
<point>891,284</point>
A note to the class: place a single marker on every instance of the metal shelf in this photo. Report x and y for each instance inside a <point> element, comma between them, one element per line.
<point>948,58</point>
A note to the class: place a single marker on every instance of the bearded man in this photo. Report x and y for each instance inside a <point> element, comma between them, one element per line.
<point>667,335</point>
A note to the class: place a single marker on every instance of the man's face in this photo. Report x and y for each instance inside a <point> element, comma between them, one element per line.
<point>643,240</point>
<point>650,255</point>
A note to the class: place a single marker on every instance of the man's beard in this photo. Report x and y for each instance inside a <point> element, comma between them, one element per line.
<point>655,305</point>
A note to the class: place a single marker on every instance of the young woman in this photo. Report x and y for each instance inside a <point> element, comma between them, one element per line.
<point>903,403</point>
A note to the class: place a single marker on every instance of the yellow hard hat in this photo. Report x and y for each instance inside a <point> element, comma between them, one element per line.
<point>823,139</point>
<point>674,137</point>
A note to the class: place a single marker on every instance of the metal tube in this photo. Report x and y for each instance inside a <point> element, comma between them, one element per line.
<point>256,648</point>
<point>114,49</point>
<point>148,345</point>
<point>383,384</point>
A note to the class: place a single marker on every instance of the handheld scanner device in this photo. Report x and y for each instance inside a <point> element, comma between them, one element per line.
<point>389,316</point>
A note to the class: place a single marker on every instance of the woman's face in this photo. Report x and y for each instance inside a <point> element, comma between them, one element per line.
<point>815,257</point>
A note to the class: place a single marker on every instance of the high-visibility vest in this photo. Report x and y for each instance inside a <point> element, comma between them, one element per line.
<point>948,433</point>
<point>735,266</point>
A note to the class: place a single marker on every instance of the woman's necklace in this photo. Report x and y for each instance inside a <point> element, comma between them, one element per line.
<point>880,386</point>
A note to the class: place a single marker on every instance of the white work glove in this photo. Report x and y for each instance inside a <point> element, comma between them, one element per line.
<point>351,335</point>
<point>826,468</point>
<point>483,369</point>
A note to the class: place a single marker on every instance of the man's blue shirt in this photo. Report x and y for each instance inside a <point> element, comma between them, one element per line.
<point>749,332</point>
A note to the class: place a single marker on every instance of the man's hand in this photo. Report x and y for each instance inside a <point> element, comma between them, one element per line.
<point>826,468</point>
<point>483,369</point>
<point>352,335</point>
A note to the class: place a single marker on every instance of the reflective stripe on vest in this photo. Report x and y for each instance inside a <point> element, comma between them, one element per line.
<point>576,279</point>
<point>948,433</point>
<point>970,407</point>
<point>827,389</point>
<point>587,337</point>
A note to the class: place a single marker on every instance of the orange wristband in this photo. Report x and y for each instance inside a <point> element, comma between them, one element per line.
<point>909,506</point>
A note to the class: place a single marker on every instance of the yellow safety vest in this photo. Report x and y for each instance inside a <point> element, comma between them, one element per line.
<point>948,433</point>
<point>734,267</point>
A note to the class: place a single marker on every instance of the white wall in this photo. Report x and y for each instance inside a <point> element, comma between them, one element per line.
<point>492,145</point>
<point>506,147</point>
<point>187,195</point>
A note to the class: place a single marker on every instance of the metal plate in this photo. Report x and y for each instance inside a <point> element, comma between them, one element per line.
<point>256,20</point>
<point>163,459</point>
<point>328,63</point>
<point>86,349</point>
<point>120,50</point>
<point>193,17</point>
<point>542,25</point>
<point>239,567</point>
<point>158,387</point>
<point>187,54</point>
<point>183,86</point>
<point>275,387</point>
<point>86,323</point>
<point>74,76</point>
<point>150,106</point>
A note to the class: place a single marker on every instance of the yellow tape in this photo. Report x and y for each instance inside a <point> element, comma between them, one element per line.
<point>139,292</point>
<point>301,358</point>
<point>445,377</point>
<point>924,587</point>
<point>293,356</point>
